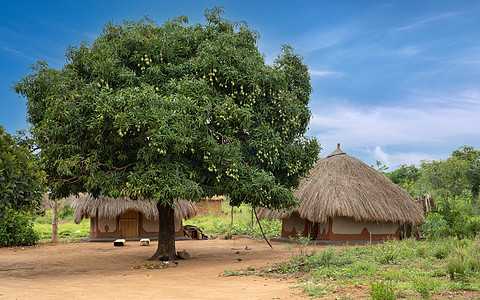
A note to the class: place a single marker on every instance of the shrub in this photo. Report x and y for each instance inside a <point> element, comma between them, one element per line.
<point>22,182</point>
<point>441,251</point>
<point>435,226</point>
<point>456,267</point>
<point>65,211</point>
<point>424,286</point>
<point>473,227</point>
<point>382,290</point>
<point>16,228</point>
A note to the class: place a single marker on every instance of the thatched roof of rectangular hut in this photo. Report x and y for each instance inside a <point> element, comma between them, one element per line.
<point>87,206</point>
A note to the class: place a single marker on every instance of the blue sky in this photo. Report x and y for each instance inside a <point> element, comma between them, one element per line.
<point>394,81</point>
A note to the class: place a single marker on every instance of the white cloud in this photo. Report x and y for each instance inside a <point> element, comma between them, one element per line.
<point>421,22</point>
<point>410,131</point>
<point>409,51</point>
<point>327,38</point>
<point>318,73</point>
<point>15,53</point>
<point>380,155</point>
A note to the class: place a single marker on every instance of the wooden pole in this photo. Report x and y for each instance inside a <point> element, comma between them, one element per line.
<point>55,221</point>
<point>231,224</point>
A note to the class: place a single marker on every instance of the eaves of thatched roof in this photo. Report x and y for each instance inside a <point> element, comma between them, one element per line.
<point>87,206</point>
<point>342,185</point>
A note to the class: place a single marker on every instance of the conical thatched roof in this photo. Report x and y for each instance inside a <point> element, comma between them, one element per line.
<point>87,206</point>
<point>342,185</point>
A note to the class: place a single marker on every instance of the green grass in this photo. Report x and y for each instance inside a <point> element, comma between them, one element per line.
<point>219,224</point>
<point>407,268</point>
<point>68,231</point>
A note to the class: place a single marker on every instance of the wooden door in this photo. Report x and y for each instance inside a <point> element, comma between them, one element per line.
<point>129,224</point>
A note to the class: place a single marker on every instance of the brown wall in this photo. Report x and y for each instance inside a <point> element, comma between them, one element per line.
<point>209,207</point>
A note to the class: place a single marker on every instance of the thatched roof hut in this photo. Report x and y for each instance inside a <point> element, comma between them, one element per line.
<point>87,206</point>
<point>122,217</point>
<point>341,185</point>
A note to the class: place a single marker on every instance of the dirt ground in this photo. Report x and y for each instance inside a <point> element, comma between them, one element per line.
<point>102,271</point>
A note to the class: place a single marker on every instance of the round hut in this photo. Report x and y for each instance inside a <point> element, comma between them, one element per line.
<point>345,199</point>
<point>112,218</point>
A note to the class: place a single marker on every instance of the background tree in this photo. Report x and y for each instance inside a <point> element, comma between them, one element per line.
<point>472,158</point>
<point>446,178</point>
<point>173,111</point>
<point>406,177</point>
<point>21,186</point>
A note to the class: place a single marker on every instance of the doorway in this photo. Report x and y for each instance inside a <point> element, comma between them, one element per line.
<point>129,224</point>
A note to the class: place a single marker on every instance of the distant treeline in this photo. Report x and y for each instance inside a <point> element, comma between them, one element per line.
<point>454,183</point>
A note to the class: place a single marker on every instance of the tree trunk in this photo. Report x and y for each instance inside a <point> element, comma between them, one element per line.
<point>166,233</point>
<point>55,221</point>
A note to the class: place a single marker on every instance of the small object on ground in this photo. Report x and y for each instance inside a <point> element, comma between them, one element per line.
<point>144,242</point>
<point>247,248</point>
<point>183,255</point>
<point>175,262</point>
<point>194,232</point>
<point>239,259</point>
<point>238,252</point>
<point>119,242</point>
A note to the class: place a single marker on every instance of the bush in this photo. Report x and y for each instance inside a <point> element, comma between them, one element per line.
<point>473,227</point>
<point>382,290</point>
<point>456,267</point>
<point>424,286</point>
<point>22,182</point>
<point>65,211</point>
<point>441,251</point>
<point>435,226</point>
<point>16,228</point>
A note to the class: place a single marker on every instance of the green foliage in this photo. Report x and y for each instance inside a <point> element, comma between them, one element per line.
<point>406,177</point>
<point>65,211</point>
<point>302,243</point>
<point>382,290</point>
<point>314,290</point>
<point>435,226</point>
<point>16,227</point>
<point>455,182</point>
<point>21,179</point>
<point>424,286</point>
<point>464,260</point>
<point>171,111</point>
<point>21,186</point>
<point>441,251</point>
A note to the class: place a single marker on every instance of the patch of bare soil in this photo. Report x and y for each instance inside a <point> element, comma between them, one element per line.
<point>102,271</point>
